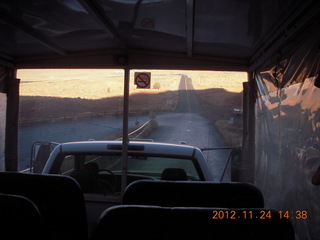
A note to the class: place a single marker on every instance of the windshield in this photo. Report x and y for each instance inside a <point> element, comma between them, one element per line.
<point>198,108</point>
<point>100,173</point>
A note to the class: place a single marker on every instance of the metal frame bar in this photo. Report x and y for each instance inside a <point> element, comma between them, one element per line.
<point>6,63</point>
<point>139,59</point>
<point>95,11</point>
<point>125,136</point>
<point>190,25</point>
<point>23,27</point>
<point>248,133</point>
<point>12,115</point>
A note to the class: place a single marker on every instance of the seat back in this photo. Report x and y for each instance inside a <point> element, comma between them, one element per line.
<point>86,179</point>
<point>19,218</point>
<point>58,198</point>
<point>193,194</point>
<point>152,222</point>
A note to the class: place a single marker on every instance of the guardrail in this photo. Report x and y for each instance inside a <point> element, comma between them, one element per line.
<point>142,131</point>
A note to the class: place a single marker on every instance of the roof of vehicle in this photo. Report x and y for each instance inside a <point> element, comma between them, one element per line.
<point>206,34</point>
<point>116,146</point>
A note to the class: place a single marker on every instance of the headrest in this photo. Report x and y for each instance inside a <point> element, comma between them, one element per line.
<point>174,174</point>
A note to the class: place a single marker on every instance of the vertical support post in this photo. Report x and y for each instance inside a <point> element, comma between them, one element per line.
<point>11,141</point>
<point>125,138</point>
<point>190,23</point>
<point>248,140</point>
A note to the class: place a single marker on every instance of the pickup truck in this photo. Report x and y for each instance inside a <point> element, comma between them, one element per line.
<point>97,165</point>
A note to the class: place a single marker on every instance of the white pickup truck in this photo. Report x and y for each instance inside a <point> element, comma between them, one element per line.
<point>97,165</point>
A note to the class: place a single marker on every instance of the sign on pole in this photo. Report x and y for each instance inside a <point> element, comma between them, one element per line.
<point>142,79</point>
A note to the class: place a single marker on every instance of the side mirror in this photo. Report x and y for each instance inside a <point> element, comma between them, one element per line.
<point>40,152</point>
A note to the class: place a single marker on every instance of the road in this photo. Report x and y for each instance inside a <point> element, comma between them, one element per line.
<point>188,125</point>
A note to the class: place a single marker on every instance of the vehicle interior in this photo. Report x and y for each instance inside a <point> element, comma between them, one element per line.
<point>275,41</point>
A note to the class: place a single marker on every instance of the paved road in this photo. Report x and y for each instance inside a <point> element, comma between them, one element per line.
<point>188,125</point>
